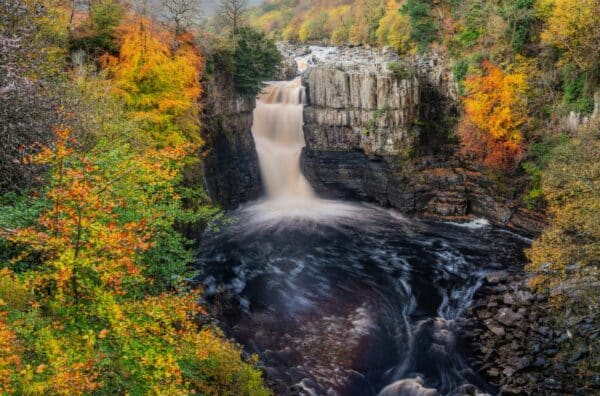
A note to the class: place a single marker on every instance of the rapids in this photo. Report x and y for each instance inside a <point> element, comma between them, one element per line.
<point>343,298</point>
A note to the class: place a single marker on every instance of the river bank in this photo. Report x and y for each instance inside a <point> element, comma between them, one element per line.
<point>519,347</point>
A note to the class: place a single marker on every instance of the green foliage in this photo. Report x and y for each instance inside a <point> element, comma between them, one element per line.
<point>538,157</point>
<point>473,25</point>
<point>97,34</point>
<point>460,70</point>
<point>92,292</point>
<point>423,30</point>
<point>399,70</point>
<point>576,95</point>
<point>250,57</point>
<point>520,16</point>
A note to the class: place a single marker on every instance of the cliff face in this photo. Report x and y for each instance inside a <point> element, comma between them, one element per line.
<point>231,169</point>
<point>379,129</point>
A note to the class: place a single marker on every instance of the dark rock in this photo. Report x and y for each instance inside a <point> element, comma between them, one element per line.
<point>544,330</point>
<point>508,299</point>
<point>508,371</point>
<point>496,277</point>
<point>550,352</point>
<point>465,390</point>
<point>231,170</point>
<point>508,317</point>
<point>577,356</point>
<point>497,330</point>
<point>551,383</point>
<point>540,362</point>
<point>523,297</point>
<point>523,363</point>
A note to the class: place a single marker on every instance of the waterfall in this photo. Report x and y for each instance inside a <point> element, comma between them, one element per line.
<point>279,140</point>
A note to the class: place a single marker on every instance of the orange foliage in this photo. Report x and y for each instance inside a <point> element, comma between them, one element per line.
<point>495,114</point>
<point>82,237</point>
<point>159,85</point>
<point>10,360</point>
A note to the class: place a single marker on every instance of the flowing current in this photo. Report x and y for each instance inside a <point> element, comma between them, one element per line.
<point>343,298</point>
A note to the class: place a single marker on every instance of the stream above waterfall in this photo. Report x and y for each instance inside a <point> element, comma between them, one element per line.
<point>342,298</point>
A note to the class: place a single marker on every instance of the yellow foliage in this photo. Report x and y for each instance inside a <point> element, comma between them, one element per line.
<point>565,258</point>
<point>10,351</point>
<point>394,28</point>
<point>160,86</point>
<point>495,113</point>
<point>572,26</point>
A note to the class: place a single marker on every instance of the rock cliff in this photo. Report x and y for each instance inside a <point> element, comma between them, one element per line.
<point>231,169</point>
<point>379,128</point>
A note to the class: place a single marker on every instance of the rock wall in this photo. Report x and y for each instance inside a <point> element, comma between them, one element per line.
<point>378,128</point>
<point>231,168</point>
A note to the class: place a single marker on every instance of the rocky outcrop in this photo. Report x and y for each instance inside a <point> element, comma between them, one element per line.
<point>379,128</point>
<point>360,107</point>
<point>520,348</point>
<point>231,171</point>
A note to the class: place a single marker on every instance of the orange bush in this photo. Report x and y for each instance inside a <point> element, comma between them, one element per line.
<point>495,115</point>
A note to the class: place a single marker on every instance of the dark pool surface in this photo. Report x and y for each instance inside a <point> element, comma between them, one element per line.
<point>352,298</point>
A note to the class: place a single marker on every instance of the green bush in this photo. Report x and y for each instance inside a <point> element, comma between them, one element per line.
<point>576,92</point>
<point>399,70</point>
<point>460,70</point>
<point>423,30</point>
<point>539,155</point>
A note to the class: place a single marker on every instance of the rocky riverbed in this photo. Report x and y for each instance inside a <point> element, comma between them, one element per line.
<point>518,345</point>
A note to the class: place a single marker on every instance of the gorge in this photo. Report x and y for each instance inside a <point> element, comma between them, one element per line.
<point>340,297</point>
<point>377,128</point>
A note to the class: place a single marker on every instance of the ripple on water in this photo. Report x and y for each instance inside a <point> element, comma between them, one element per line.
<point>350,298</point>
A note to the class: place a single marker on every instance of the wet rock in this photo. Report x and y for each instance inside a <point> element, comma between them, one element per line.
<point>465,390</point>
<point>496,277</point>
<point>412,387</point>
<point>544,330</point>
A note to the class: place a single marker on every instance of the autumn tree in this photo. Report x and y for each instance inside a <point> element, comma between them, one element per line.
<point>159,86</point>
<point>31,63</point>
<point>495,115</point>
<point>572,27</point>
<point>394,28</point>
<point>179,15</point>
<point>97,318</point>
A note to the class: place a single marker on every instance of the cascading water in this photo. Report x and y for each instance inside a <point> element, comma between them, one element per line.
<point>279,140</point>
<point>343,298</point>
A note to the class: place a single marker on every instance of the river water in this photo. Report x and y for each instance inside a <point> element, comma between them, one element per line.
<point>343,298</point>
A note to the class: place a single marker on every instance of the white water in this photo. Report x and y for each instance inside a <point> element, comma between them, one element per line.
<point>279,139</point>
